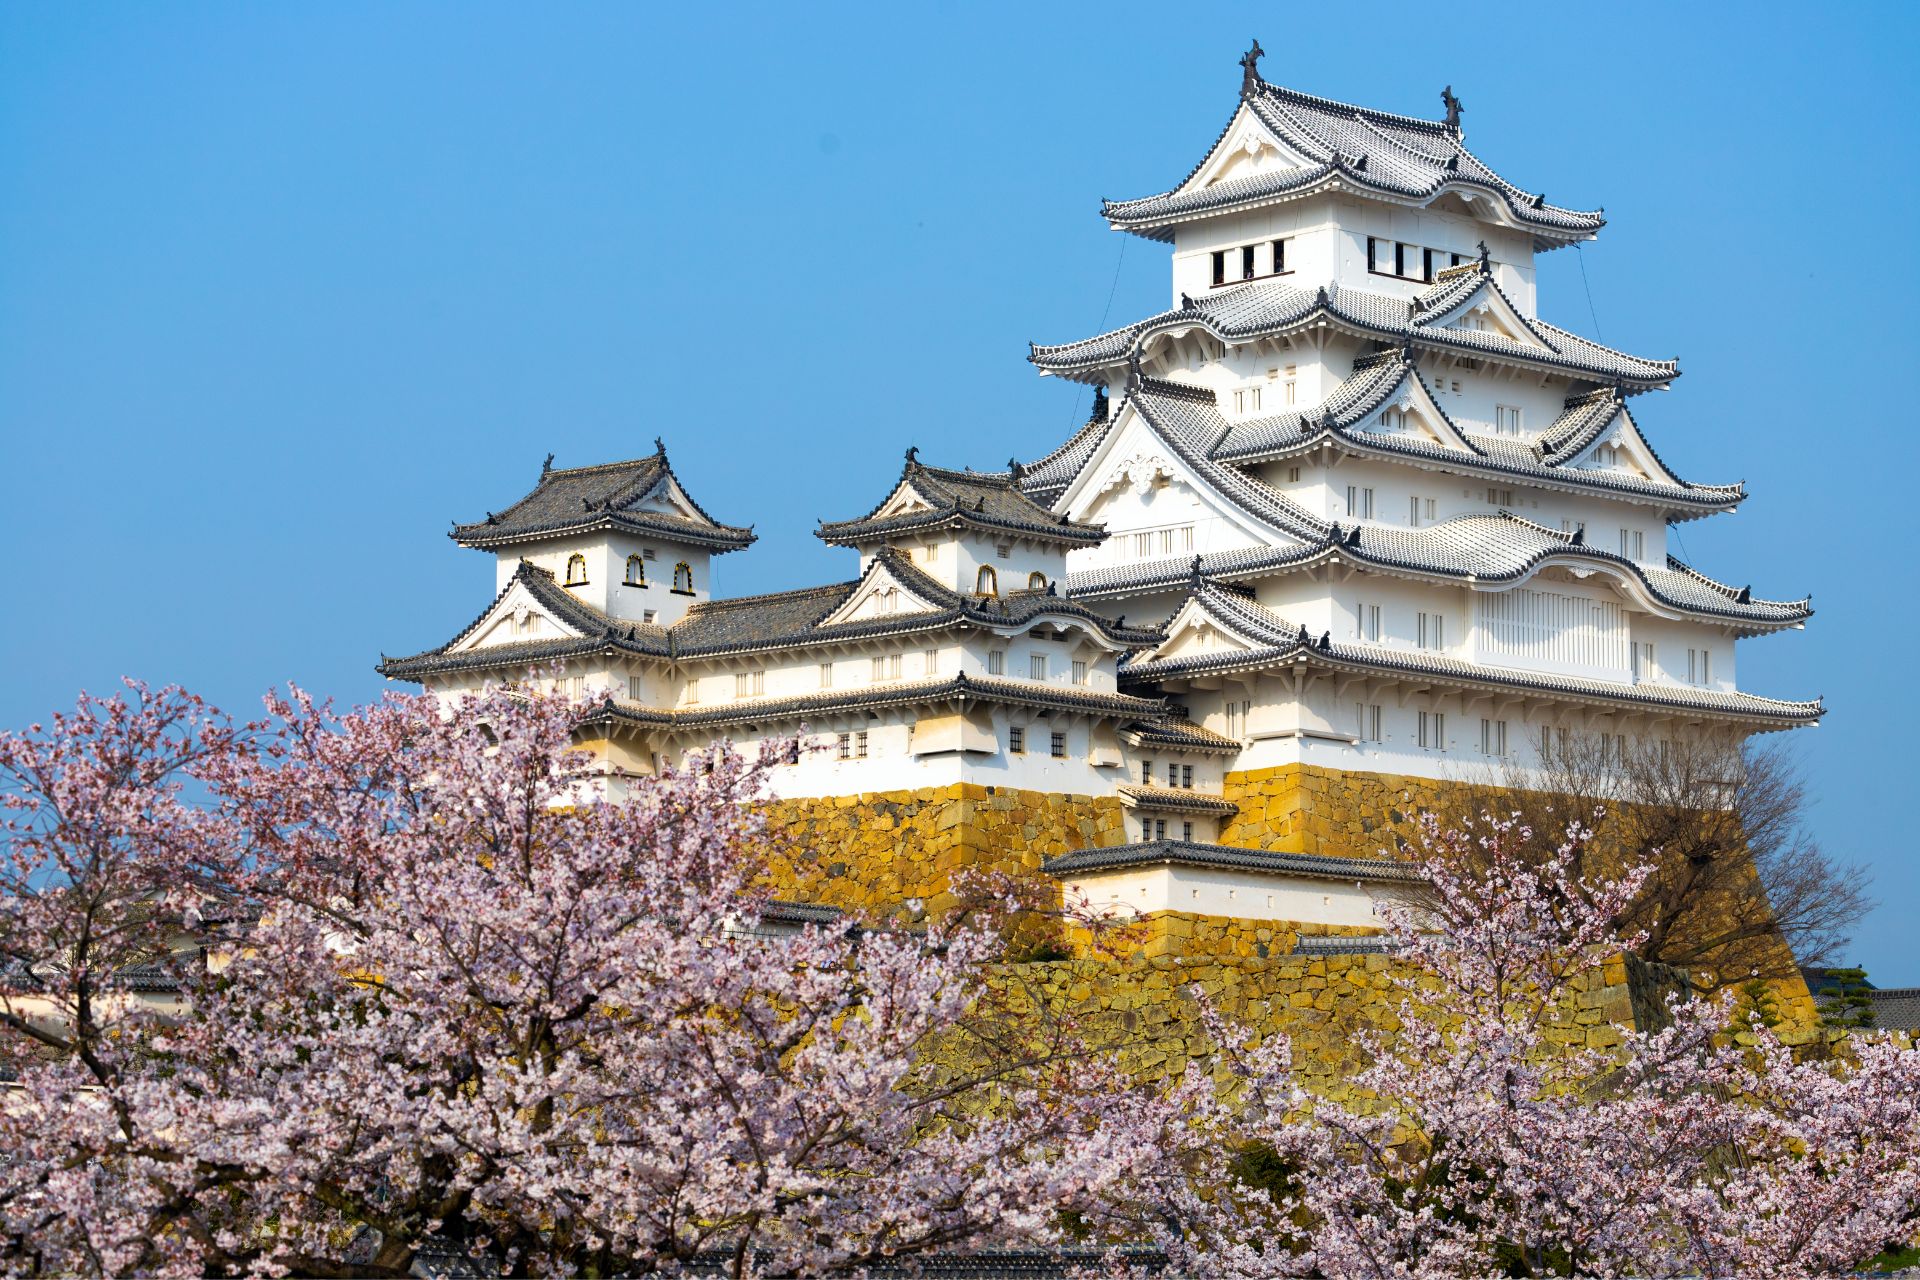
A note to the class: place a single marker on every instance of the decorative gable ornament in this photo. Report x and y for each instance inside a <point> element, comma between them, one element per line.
<point>1139,471</point>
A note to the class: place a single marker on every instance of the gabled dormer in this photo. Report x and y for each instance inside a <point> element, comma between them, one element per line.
<point>625,538</point>
<point>975,533</point>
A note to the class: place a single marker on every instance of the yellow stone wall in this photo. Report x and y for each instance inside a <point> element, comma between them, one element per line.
<point>1302,808</point>
<point>1323,1004</point>
<point>870,852</point>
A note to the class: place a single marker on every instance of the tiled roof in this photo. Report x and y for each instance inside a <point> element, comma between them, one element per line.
<point>1177,734</point>
<point>577,499</point>
<point>1498,547</point>
<point>1189,853</point>
<point>994,502</point>
<point>1333,945</point>
<point>1377,379</point>
<point>1280,642</point>
<point>902,693</point>
<point>1044,478</point>
<point>1398,157</point>
<point>1896,1008</point>
<point>1269,308</point>
<point>750,624</point>
<point>1176,800</point>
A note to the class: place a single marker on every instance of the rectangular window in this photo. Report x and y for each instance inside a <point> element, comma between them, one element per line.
<point>1373,254</point>
<point>1293,475</point>
<point>1500,497</point>
<point>1016,740</point>
<point>1506,419</point>
<point>1186,832</point>
<point>930,662</point>
<point>996,662</point>
<point>1287,391</point>
<point>826,675</point>
<point>860,745</point>
<point>1367,717</point>
<point>1143,544</point>
<point>1186,776</point>
<point>1146,773</point>
<point>1644,669</point>
<point>1420,511</point>
<point>1057,744</point>
<point>1079,672</point>
<point>633,688</point>
<point>879,669</point>
<point>1220,267</point>
<point>693,689</point>
<point>1359,502</point>
<point>648,615</point>
<point>1037,666</point>
<point>1279,257</point>
<point>1237,713</point>
<point>747,684</point>
<point>1433,631</point>
<point>1400,254</point>
<point>1433,730</point>
<point>1366,622</point>
<point>1493,738</point>
<point>1699,666</point>
<point>1571,527</point>
<point>646,553</point>
<point>1633,544</point>
<point>1246,263</point>
<point>1004,550</point>
<point>1159,828</point>
<point>845,746</point>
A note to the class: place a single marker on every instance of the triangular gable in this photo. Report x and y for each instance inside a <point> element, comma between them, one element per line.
<point>1133,459</point>
<point>882,593</point>
<point>668,498</point>
<point>1486,310</point>
<point>517,617</point>
<point>1198,630</point>
<point>906,499</point>
<point>1248,148</point>
<point>1620,448</point>
<point>1409,411</point>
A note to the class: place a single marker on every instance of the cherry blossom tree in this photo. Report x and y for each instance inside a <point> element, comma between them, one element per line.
<point>435,995</point>
<point>469,1005</point>
<point>1494,1134</point>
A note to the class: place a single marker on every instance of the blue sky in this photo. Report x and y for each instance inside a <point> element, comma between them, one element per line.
<point>285,289</point>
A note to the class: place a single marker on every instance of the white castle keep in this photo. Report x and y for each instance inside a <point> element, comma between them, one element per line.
<point>1349,504</point>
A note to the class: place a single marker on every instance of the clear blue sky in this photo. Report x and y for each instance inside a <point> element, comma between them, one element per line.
<point>285,289</point>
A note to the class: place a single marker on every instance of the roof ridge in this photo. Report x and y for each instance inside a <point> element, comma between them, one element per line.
<point>1366,113</point>
<point>655,458</point>
<point>730,602</point>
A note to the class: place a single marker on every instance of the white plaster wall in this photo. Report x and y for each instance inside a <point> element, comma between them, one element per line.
<point>606,556</point>
<point>1224,892</point>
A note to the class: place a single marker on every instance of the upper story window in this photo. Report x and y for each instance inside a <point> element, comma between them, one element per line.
<point>1036,581</point>
<point>1420,511</point>
<point>1500,497</point>
<point>1408,261</point>
<point>1506,419</point>
<point>1359,502</point>
<point>1607,455</point>
<point>683,578</point>
<point>986,582</point>
<point>636,571</point>
<point>996,662</point>
<point>576,570</point>
<point>1366,621</point>
<point>1246,400</point>
<point>1633,544</point>
<point>1245,262</point>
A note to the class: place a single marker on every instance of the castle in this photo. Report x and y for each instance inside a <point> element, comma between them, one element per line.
<point>1348,523</point>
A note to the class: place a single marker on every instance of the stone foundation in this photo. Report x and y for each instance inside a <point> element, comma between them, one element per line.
<point>868,853</point>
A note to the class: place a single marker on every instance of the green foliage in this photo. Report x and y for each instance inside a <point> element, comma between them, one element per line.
<point>1844,1001</point>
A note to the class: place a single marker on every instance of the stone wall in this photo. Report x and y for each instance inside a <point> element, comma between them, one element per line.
<point>1324,1004</point>
<point>870,852</point>
<point>1308,809</point>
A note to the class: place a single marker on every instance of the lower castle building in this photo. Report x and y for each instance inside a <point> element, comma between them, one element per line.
<point>1349,523</point>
